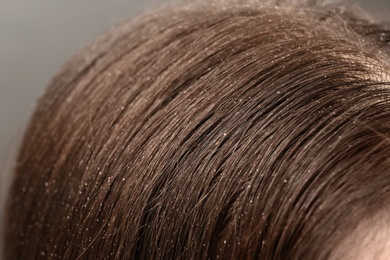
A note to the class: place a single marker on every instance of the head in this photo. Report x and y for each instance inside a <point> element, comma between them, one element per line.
<point>234,129</point>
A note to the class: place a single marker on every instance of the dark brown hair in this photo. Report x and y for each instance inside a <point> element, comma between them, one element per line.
<point>224,130</point>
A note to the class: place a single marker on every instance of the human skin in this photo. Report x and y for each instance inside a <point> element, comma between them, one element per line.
<point>369,241</point>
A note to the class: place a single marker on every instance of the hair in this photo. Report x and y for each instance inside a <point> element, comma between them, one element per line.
<point>234,129</point>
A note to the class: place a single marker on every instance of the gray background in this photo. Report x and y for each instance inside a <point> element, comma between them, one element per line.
<point>37,36</point>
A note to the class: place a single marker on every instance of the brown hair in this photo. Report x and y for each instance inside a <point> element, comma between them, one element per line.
<point>224,130</point>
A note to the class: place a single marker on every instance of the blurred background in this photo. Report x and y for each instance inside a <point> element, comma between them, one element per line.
<point>36,37</point>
